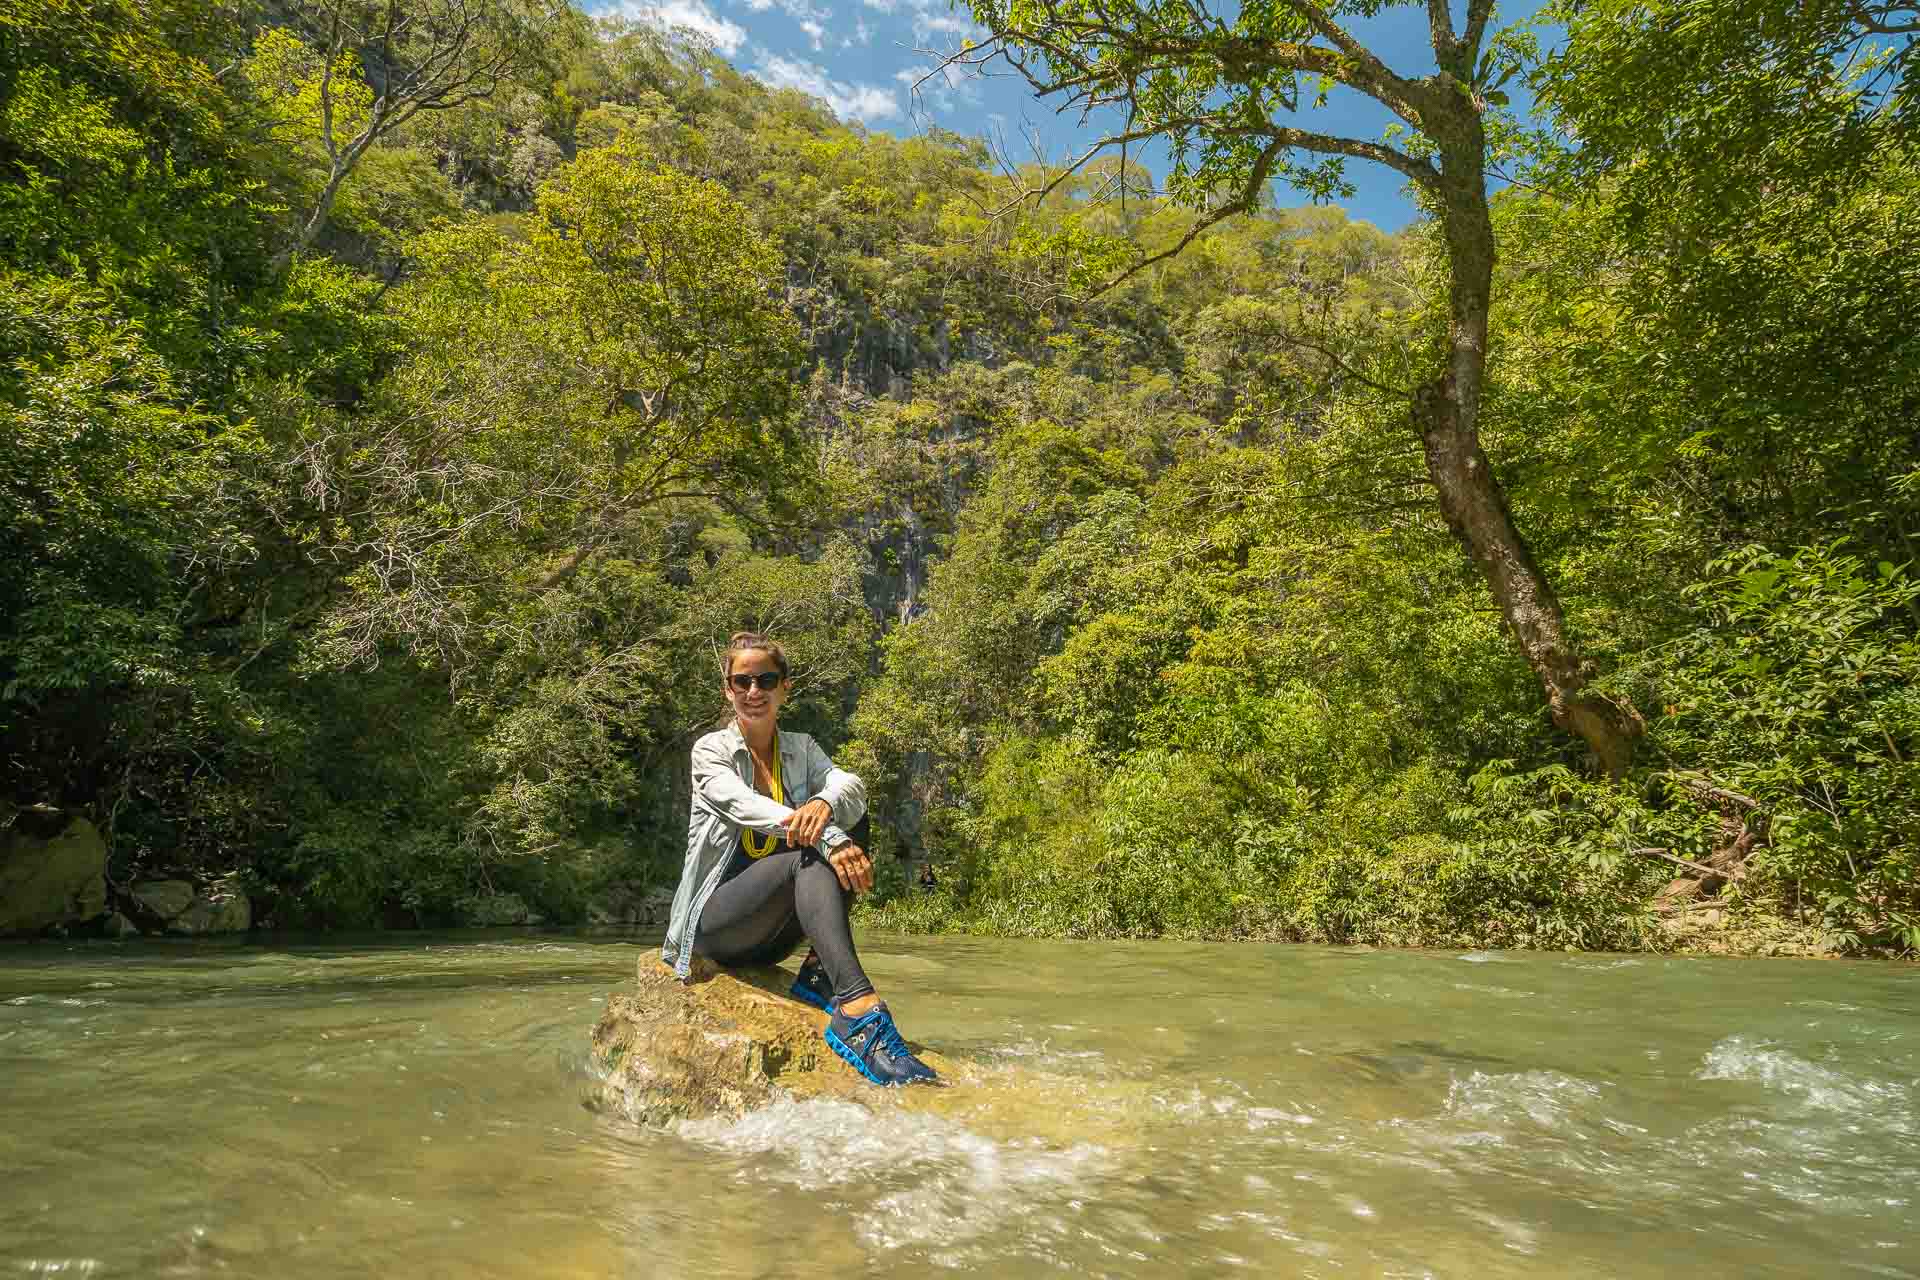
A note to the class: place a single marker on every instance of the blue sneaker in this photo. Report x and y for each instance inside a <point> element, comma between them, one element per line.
<point>871,1044</point>
<point>813,985</point>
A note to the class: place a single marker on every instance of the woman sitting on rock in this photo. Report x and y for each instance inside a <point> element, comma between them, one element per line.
<point>776,849</point>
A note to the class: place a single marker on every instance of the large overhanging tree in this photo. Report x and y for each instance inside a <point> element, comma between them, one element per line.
<point>1229,87</point>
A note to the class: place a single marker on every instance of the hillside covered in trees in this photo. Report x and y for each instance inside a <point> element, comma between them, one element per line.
<point>400,401</point>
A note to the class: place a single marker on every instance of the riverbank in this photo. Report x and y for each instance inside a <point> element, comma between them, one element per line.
<point>1708,931</point>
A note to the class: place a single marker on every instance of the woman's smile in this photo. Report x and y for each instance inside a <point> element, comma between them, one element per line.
<point>756,685</point>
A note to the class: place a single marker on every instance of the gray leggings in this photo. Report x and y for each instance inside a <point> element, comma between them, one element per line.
<point>760,914</point>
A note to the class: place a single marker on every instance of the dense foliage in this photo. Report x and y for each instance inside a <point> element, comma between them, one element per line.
<point>368,527</point>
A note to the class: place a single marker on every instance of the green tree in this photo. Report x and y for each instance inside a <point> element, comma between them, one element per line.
<point>1217,87</point>
<point>627,352</point>
<point>1744,176</point>
<point>1709,104</point>
<point>380,63</point>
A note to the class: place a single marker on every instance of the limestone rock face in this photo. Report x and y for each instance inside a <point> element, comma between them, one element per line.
<point>52,872</point>
<point>721,1044</point>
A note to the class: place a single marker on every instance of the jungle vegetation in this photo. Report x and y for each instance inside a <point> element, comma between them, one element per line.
<point>399,399</point>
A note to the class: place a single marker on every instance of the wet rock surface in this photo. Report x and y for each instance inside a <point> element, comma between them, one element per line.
<point>723,1043</point>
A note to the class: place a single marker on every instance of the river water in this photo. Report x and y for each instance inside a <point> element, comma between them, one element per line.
<point>414,1106</point>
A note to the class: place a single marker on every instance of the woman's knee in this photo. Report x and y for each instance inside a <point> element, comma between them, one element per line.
<point>817,874</point>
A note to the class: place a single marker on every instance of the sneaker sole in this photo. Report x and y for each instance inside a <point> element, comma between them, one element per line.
<point>853,1059</point>
<point>806,996</point>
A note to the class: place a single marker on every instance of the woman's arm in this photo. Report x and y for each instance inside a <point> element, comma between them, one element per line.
<point>844,793</point>
<point>717,783</point>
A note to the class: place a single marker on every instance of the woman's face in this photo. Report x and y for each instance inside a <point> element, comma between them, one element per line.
<point>755,704</point>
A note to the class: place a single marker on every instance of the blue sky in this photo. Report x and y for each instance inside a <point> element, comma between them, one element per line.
<point>862,58</point>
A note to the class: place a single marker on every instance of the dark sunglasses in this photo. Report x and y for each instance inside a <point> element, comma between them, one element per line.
<point>767,680</point>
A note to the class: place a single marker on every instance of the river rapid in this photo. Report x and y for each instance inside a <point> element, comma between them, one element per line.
<point>415,1106</point>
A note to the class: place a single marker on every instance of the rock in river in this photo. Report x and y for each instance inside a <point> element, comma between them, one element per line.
<point>719,1044</point>
<point>52,871</point>
<point>180,908</point>
<point>732,1040</point>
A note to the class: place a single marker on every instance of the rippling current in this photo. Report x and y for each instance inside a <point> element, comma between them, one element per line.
<point>415,1107</point>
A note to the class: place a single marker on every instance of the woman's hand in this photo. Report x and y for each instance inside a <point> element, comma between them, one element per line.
<point>807,822</point>
<point>855,869</point>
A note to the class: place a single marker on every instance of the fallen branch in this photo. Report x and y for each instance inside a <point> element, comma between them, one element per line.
<point>1678,861</point>
<point>1702,787</point>
<point>1684,908</point>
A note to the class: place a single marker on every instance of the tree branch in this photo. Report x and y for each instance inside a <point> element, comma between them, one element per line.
<point>1363,70</point>
<point>1340,363</point>
<point>1704,788</point>
<point>1440,26</point>
<point>1479,12</point>
<point>1682,862</point>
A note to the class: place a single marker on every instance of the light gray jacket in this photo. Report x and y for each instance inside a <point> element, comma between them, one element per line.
<point>725,803</point>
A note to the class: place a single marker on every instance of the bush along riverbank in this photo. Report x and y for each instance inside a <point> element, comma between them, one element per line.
<point>1774,815</point>
<point>388,451</point>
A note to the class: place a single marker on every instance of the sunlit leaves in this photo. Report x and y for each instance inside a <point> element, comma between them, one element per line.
<point>627,351</point>
<point>113,483</point>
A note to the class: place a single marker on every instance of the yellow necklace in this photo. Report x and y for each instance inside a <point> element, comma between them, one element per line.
<point>752,839</point>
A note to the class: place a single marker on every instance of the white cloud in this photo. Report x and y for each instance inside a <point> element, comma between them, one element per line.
<point>869,102</point>
<point>927,22</point>
<point>930,17</point>
<point>694,15</point>
<point>799,10</point>
<point>815,31</point>
<point>863,102</point>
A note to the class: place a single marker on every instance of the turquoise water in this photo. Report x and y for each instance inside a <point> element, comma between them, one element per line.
<point>416,1106</point>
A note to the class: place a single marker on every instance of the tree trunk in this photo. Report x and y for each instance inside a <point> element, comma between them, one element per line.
<point>310,229</point>
<point>1446,414</point>
<point>1475,508</point>
<point>342,164</point>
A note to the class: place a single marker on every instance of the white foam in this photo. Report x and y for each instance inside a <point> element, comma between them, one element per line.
<point>1547,1098</point>
<point>1822,1088</point>
<point>1196,1105</point>
<point>1260,1117</point>
<point>1043,1052</point>
<point>945,1184</point>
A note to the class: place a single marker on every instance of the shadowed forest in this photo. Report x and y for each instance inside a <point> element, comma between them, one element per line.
<point>394,419</point>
